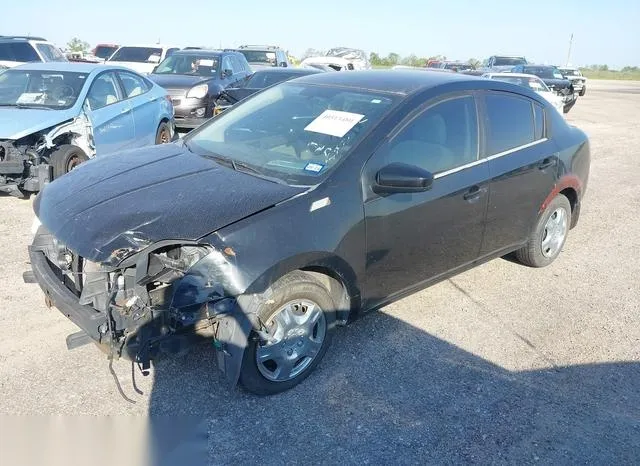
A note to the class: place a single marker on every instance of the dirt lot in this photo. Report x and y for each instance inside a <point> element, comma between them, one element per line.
<point>500,364</point>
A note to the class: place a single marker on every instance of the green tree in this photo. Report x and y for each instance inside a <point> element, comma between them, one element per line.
<point>393,59</point>
<point>474,62</point>
<point>77,45</point>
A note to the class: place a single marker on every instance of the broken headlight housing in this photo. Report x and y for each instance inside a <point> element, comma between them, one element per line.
<point>165,265</point>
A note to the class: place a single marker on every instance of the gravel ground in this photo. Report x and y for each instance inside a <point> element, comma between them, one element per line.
<point>502,364</point>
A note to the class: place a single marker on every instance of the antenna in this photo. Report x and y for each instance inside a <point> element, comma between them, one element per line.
<point>569,53</point>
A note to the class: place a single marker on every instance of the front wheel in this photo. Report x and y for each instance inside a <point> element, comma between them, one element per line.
<point>66,158</point>
<point>298,320</point>
<point>583,91</point>
<point>163,135</point>
<point>549,235</point>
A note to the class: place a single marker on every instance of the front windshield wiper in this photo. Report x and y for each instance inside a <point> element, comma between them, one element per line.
<point>26,106</point>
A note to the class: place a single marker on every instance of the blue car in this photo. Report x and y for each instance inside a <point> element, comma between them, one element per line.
<point>54,116</point>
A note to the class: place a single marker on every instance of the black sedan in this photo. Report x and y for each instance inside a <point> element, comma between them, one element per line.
<point>302,207</point>
<point>258,81</point>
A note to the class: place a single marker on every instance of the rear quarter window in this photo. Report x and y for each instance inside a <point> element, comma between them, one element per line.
<point>510,122</point>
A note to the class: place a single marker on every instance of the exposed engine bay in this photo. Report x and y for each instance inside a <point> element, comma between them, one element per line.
<point>25,163</point>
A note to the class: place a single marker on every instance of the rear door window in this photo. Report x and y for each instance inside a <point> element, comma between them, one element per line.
<point>18,51</point>
<point>510,122</point>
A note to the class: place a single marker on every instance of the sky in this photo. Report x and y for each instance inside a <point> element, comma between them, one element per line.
<point>604,32</point>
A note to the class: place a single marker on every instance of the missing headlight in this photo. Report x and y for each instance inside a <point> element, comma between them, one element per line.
<point>168,264</point>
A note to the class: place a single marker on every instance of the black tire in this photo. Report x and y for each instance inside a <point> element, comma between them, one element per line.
<point>163,135</point>
<point>65,158</point>
<point>583,91</point>
<point>532,253</point>
<point>294,286</point>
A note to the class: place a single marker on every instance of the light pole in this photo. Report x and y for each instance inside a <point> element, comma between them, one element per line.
<point>569,53</point>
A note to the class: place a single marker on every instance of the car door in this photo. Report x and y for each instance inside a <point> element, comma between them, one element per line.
<point>110,114</point>
<point>145,107</point>
<point>523,163</point>
<point>414,237</point>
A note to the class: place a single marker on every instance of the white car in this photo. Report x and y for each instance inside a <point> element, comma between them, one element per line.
<point>340,59</point>
<point>141,58</point>
<point>533,82</point>
<point>18,50</point>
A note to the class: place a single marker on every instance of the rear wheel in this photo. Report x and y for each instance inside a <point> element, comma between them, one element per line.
<point>163,135</point>
<point>65,159</point>
<point>298,320</point>
<point>549,236</point>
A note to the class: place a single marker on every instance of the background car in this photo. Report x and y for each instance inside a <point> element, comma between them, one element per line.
<point>456,66</point>
<point>575,76</point>
<point>532,82</point>
<point>54,116</point>
<point>16,50</point>
<point>141,58</point>
<point>258,81</point>
<point>260,56</point>
<point>554,80</point>
<point>498,63</point>
<point>103,51</point>
<point>195,79</point>
<point>313,200</point>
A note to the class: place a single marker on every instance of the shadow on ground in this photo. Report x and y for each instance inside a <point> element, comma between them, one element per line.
<point>403,396</point>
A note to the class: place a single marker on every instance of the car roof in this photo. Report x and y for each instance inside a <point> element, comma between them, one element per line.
<point>514,75</point>
<point>78,67</point>
<point>391,81</point>
<point>202,52</point>
<point>288,70</point>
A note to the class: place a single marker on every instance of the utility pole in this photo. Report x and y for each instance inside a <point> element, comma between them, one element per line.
<point>569,53</point>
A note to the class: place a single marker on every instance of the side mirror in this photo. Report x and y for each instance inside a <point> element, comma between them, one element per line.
<point>227,73</point>
<point>402,178</point>
<point>283,64</point>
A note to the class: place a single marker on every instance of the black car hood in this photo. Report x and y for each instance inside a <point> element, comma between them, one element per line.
<point>557,83</point>
<point>178,81</point>
<point>117,204</point>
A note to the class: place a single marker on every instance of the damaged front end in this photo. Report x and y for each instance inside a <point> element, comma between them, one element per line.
<point>25,162</point>
<point>156,301</point>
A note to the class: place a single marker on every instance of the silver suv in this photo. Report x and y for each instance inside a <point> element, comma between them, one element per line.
<point>17,50</point>
<point>260,56</point>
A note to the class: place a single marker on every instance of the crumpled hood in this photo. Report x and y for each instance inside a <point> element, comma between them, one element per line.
<point>177,81</point>
<point>120,203</point>
<point>16,123</point>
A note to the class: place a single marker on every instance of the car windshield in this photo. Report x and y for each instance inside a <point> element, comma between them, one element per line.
<point>137,54</point>
<point>531,82</point>
<point>18,51</point>
<point>40,89</point>
<point>259,56</point>
<point>104,51</point>
<point>509,61</point>
<point>567,72</point>
<point>544,72</point>
<point>262,79</point>
<point>197,65</point>
<point>292,133</point>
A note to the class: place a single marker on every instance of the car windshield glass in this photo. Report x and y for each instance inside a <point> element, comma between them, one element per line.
<point>262,79</point>
<point>50,53</point>
<point>292,132</point>
<point>197,65</point>
<point>137,54</point>
<point>509,61</point>
<point>569,72</point>
<point>40,89</point>
<point>544,72</point>
<point>259,56</point>
<point>18,51</point>
<point>525,81</point>
<point>104,51</point>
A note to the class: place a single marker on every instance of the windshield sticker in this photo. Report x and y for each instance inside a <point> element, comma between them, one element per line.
<point>334,123</point>
<point>30,98</point>
<point>205,62</point>
<point>314,167</point>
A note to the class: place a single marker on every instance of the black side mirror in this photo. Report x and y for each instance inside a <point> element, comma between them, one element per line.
<point>227,73</point>
<point>402,178</point>
<point>284,64</point>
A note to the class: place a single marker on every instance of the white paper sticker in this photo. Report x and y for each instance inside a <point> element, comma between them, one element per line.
<point>30,98</point>
<point>205,62</point>
<point>314,167</point>
<point>334,123</point>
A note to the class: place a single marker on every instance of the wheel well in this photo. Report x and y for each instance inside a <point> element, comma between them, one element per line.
<point>346,300</point>
<point>572,196</point>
